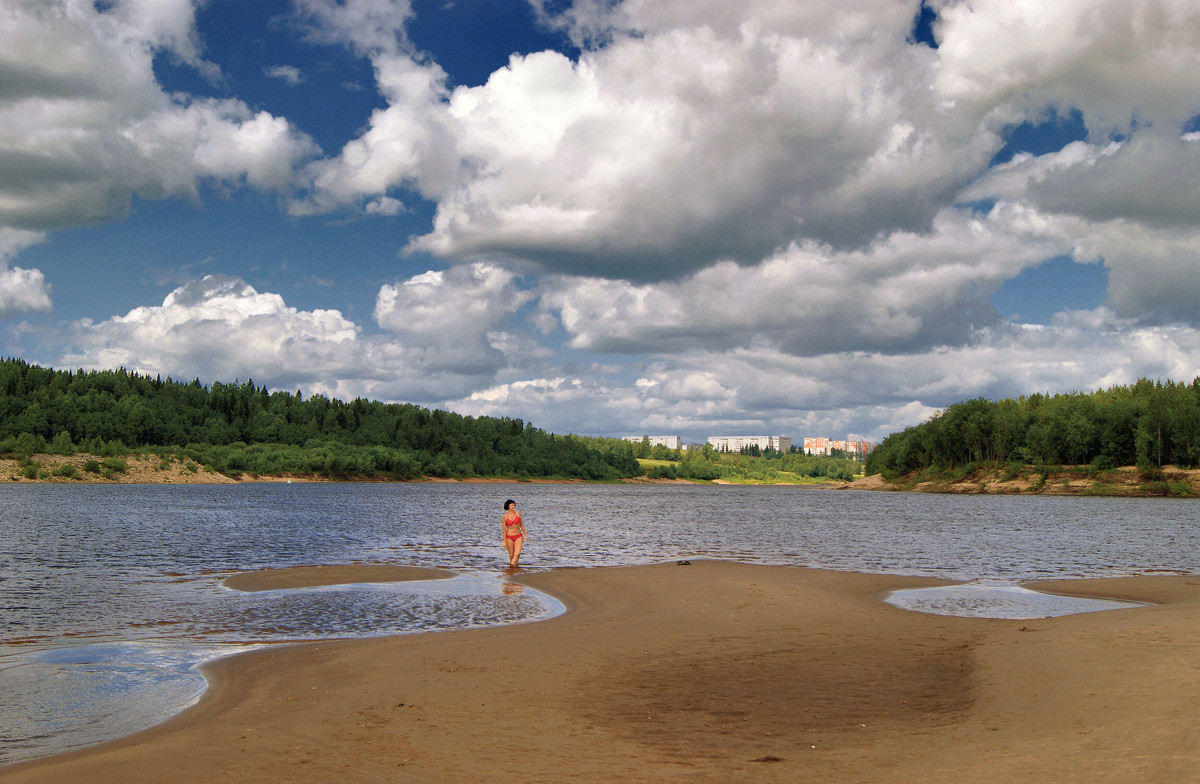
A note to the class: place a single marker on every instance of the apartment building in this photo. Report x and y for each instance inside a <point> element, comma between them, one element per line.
<point>734,444</point>
<point>826,446</point>
<point>817,446</point>
<point>670,442</point>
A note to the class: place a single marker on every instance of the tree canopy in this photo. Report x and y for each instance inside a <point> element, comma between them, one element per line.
<point>244,428</point>
<point>1148,424</point>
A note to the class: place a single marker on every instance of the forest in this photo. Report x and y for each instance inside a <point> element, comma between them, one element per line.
<point>242,428</point>
<point>753,466</point>
<point>1149,424</point>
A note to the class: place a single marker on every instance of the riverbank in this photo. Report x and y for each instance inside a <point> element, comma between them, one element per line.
<point>709,672</point>
<point>153,469</point>
<point>1024,480</point>
<point>127,469</point>
<point>1128,482</point>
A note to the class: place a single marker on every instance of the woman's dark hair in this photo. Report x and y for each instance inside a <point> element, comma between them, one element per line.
<point>509,503</point>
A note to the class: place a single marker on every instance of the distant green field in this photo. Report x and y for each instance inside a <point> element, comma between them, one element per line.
<point>733,475</point>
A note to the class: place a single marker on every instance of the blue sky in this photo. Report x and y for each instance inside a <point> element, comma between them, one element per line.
<point>686,217</point>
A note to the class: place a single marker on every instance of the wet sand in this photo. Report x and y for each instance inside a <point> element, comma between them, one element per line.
<point>712,672</point>
<point>317,576</point>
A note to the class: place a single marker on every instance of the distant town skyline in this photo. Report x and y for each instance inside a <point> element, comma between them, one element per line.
<point>607,217</point>
<point>810,445</point>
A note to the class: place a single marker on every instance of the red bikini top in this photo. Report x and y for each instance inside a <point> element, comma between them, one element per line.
<point>513,523</point>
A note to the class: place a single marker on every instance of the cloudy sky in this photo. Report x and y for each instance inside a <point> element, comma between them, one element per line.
<point>690,217</point>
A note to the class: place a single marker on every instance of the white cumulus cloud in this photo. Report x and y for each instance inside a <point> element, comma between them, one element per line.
<point>84,125</point>
<point>456,318</point>
<point>220,328</point>
<point>903,293</point>
<point>691,133</point>
<point>289,74</point>
<point>22,291</point>
<point>868,394</point>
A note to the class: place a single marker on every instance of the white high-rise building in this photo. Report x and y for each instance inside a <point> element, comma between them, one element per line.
<point>670,442</point>
<point>735,444</point>
<point>825,446</point>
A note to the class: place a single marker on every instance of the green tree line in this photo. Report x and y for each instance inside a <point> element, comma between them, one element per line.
<point>1148,424</point>
<point>244,428</point>
<point>754,464</point>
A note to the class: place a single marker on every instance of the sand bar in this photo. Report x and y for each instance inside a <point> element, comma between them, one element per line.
<point>713,672</point>
<point>341,574</point>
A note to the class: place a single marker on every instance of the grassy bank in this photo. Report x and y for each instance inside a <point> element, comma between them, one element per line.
<point>1020,479</point>
<point>178,467</point>
<point>743,470</point>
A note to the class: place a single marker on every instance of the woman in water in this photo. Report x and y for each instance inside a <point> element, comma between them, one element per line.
<point>513,531</point>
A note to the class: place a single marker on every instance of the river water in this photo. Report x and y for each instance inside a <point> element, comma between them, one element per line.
<point>111,595</point>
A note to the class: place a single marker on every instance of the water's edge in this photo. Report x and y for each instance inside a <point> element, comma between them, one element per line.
<point>117,689</point>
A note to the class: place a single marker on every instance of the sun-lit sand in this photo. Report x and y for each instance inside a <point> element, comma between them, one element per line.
<point>710,672</point>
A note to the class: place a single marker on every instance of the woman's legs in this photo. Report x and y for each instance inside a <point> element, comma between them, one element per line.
<point>514,550</point>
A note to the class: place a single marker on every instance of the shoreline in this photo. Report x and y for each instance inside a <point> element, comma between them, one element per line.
<point>713,672</point>
<point>152,469</point>
<point>1126,482</point>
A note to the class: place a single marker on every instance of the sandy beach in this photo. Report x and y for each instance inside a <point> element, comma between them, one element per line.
<point>709,672</point>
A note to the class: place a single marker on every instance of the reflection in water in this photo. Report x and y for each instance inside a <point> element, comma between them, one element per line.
<point>58,699</point>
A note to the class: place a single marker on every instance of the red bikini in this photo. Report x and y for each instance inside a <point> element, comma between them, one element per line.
<point>513,524</point>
